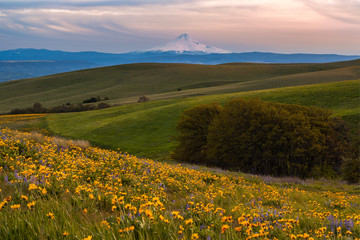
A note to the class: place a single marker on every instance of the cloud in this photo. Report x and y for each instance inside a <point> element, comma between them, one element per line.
<point>347,11</point>
<point>20,4</point>
<point>239,24</point>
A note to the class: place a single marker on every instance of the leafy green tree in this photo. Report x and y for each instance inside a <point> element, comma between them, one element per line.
<point>351,170</point>
<point>277,139</point>
<point>193,128</point>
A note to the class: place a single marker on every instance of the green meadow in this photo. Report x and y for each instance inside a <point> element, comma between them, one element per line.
<point>148,129</point>
<point>124,84</point>
<point>81,191</point>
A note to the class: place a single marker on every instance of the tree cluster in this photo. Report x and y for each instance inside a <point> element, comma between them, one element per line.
<point>263,138</point>
<point>38,108</point>
<point>95,99</point>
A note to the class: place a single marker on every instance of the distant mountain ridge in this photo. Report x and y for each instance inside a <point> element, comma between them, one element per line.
<point>11,70</point>
<point>28,63</point>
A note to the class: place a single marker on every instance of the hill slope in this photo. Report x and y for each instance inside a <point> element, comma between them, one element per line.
<point>82,192</point>
<point>180,50</point>
<point>147,129</point>
<point>125,83</point>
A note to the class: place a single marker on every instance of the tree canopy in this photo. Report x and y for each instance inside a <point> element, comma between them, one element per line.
<point>263,138</point>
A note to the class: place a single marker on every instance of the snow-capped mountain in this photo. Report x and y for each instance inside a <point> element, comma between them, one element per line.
<point>186,44</point>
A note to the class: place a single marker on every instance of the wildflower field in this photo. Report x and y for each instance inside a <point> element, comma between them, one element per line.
<point>52,189</point>
<point>6,119</point>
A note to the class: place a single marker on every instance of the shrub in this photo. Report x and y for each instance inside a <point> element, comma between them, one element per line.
<point>143,99</point>
<point>277,139</point>
<point>193,127</point>
<point>18,111</point>
<point>103,105</point>
<point>91,100</point>
<point>36,108</point>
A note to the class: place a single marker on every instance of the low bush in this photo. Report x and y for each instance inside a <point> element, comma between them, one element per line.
<point>92,100</point>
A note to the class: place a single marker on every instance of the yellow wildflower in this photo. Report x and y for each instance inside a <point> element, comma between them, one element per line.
<point>292,237</point>
<point>15,206</point>
<point>238,229</point>
<point>24,197</point>
<point>31,205</point>
<point>148,213</point>
<point>224,228</point>
<point>189,221</point>
<point>32,186</point>
<point>50,215</point>
<point>105,224</point>
<point>194,236</point>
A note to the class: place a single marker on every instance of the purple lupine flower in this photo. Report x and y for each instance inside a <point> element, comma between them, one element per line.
<point>17,176</point>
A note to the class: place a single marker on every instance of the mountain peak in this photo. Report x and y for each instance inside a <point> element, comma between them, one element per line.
<point>183,36</point>
<point>184,43</point>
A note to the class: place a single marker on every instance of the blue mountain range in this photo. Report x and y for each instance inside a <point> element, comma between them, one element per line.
<point>28,63</point>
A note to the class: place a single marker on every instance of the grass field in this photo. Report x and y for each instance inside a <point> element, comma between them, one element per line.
<point>126,83</point>
<point>51,188</point>
<point>147,129</point>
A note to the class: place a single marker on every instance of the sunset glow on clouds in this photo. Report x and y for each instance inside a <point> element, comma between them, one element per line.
<point>313,26</point>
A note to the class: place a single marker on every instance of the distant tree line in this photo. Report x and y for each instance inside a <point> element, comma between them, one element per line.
<point>260,137</point>
<point>38,108</point>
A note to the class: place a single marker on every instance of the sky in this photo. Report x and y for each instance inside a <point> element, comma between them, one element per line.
<point>282,26</point>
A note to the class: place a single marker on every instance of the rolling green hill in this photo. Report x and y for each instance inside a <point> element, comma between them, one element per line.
<point>147,129</point>
<point>125,83</point>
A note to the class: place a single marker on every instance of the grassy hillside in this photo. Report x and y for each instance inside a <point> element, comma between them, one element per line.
<point>147,129</point>
<point>51,188</point>
<point>125,83</point>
